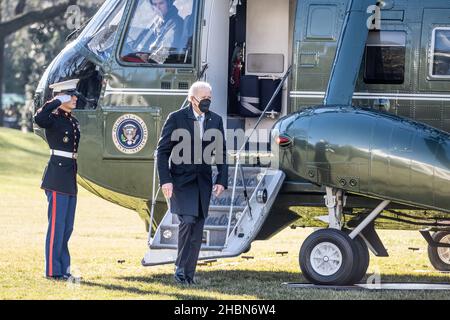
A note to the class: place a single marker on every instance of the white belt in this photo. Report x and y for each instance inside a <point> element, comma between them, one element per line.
<point>64,154</point>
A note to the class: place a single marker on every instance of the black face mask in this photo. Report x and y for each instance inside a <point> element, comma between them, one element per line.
<point>204,105</point>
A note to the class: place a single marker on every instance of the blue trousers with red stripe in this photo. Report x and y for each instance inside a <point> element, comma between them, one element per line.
<point>61,217</point>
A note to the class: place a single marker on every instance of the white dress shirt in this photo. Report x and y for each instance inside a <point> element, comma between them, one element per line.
<point>201,119</point>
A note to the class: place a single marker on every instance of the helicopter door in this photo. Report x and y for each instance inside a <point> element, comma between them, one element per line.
<point>266,60</point>
<point>317,29</point>
<point>434,74</point>
<point>215,52</point>
<point>150,75</point>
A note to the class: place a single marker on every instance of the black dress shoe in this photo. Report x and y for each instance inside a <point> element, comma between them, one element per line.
<point>70,276</point>
<point>55,278</point>
<point>179,279</point>
<point>191,281</point>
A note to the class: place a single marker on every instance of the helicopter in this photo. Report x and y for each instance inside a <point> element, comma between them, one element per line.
<point>348,101</point>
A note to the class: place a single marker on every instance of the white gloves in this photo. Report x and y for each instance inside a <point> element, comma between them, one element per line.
<point>64,98</point>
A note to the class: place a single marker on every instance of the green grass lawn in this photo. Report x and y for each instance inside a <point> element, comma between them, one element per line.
<point>109,242</point>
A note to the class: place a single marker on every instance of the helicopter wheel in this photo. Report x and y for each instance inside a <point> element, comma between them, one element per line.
<point>362,260</point>
<point>328,256</point>
<point>440,257</point>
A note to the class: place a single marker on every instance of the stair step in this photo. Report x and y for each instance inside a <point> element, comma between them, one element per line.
<point>252,175</point>
<point>249,182</point>
<point>206,227</point>
<point>217,228</point>
<point>250,160</point>
<point>215,237</point>
<point>229,192</point>
<point>226,208</point>
<point>239,201</point>
<point>175,247</point>
<point>215,218</point>
<point>239,189</point>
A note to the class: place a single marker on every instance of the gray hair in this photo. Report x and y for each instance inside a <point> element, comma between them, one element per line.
<point>198,85</point>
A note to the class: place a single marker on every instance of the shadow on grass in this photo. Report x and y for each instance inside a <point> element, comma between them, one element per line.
<point>258,284</point>
<point>11,146</point>
<point>140,291</point>
<point>222,282</point>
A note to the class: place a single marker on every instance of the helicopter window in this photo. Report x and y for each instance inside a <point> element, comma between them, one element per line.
<point>101,42</point>
<point>440,62</point>
<point>160,32</point>
<point>97,20</point>
<point>385,57</point>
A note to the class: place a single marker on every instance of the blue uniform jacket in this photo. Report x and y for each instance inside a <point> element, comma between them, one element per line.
<point>62,132</point>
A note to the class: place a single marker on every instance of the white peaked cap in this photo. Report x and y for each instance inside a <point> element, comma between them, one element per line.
<point>64,86</point>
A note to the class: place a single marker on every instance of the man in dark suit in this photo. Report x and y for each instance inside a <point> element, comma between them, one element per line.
<point>186,176</point>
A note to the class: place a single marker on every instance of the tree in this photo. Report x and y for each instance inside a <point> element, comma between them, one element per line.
<point>20,20</point>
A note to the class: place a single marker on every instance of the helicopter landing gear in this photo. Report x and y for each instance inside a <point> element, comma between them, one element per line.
<point>326,257</point>
<point>440,256</point>
<point>362,260</point>
<point>335,256</point>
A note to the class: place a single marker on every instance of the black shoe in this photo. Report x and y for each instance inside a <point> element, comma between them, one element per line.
<point>180,275</point>
<point>56,278</point>
<point>70,276</point>
<point>191,281</point>
<point>179,279</point>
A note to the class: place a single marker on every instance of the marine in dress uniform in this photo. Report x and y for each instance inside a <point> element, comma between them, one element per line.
<point>189,185</point>
<point>62,133</point>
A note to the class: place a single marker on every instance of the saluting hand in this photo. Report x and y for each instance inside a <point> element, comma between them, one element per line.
<point>64,98</point>
<point>167,190</point>
<point>218,189</point>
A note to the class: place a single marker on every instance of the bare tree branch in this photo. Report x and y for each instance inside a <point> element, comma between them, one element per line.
<point>11,26</point>
<point>20,7</point>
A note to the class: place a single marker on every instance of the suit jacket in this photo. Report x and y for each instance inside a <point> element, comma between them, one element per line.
<point>192,179</point>
<point>62,133</point>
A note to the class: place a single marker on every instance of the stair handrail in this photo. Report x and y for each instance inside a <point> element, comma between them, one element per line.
<point>238,156</point>
<point>154,196</point>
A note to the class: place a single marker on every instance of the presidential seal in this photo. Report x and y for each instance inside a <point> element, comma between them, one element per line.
<point>129,134</point>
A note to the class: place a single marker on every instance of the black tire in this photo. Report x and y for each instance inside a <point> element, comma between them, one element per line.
<point>433,253</point>
<point>362,260</point>
<point>347,249</point>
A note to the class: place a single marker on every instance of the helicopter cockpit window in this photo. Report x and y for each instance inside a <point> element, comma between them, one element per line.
<point>385,57</point>
<point>440,61</point>
<point>102,40</point>
<point>160,32</point>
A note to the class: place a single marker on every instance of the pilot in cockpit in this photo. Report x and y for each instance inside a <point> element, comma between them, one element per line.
<point>162,36</point>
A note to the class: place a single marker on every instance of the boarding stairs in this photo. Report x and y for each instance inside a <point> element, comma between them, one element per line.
<point>229,229</point>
